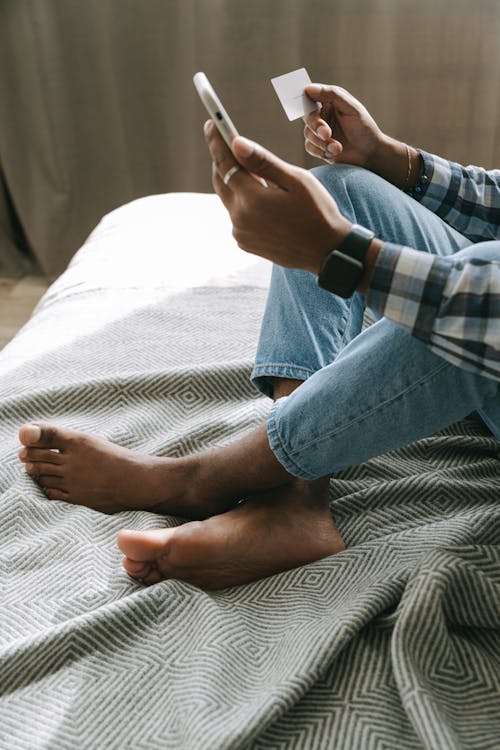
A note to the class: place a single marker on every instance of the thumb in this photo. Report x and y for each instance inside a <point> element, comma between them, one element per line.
<point>336,95</point>
<point>320,92</point>
<point>259,161</point>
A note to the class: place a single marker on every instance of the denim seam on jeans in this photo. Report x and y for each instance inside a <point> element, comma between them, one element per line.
<point>279,449</point>
<point>282,369</point>
<point>349,304</point>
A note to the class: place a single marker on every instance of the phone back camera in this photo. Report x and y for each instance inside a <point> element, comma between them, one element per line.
<point>218,115</point>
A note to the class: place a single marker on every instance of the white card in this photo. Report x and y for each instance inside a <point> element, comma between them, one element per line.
<point>290,90</point>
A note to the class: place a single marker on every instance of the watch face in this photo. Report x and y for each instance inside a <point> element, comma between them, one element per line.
<point>341,274</point>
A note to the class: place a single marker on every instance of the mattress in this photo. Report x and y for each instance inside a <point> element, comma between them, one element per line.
<point>147,340</point>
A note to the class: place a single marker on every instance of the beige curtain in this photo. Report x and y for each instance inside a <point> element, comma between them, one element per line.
<point>97,106</point>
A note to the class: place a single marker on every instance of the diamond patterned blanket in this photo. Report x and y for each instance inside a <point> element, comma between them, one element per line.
<point>393,643</point>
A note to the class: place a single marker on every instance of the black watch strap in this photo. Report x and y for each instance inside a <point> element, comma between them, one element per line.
<point>344,266</point>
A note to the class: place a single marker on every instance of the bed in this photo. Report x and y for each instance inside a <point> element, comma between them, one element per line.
<point>147,339</point>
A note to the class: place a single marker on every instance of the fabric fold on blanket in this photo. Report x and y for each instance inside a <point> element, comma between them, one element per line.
<point>393,643</point>
<point>445,645</point>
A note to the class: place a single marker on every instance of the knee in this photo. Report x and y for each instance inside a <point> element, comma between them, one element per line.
<point>291,282</point>
<point>352,186</point>
<point>345,177</point>
<point>489,251</point>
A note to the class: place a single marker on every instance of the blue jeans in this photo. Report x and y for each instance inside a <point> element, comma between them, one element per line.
<point>364,392</point>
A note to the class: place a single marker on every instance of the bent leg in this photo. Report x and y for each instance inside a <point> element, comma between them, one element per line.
<point>384,390</point>
<point>314,336</point>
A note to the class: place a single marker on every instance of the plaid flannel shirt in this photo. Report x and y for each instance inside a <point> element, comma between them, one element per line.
<point>451,305</point>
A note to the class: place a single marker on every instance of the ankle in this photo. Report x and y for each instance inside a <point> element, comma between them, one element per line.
<point>284,387</point>
<point>315,494</point>
<point>206,490</point>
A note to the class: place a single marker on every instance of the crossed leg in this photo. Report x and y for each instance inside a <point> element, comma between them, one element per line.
<point>383,390</point>
<point>284,522</point>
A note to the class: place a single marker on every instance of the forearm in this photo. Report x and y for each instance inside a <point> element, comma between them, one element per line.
<point>430,296</point>
<point>370,262</point>
<point>466,198</point>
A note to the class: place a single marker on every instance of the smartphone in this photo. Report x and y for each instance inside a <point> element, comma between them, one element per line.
<point>214,108</point>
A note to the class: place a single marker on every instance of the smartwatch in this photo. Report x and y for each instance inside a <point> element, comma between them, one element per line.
<point>344,267</point>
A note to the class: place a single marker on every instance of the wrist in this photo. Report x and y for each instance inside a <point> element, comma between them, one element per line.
<point>349,266</point>
<point>382,152</point>
<point>337,235</point>
<point>395,162</point>
<point>370,261</point>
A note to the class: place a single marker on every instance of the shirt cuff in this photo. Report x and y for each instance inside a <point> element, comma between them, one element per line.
<point>407,287</point>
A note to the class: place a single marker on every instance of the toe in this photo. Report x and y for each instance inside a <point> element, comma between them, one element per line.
<point>57,495</point>
<point>142,571</point>
<point>153,577</point>
<point>144,545</point>
<point>29,434</point>
<point>44,435</point>
<point>136,568</point>
<point>40,454</point>
<point>50,482</point>
<point>38,469</point>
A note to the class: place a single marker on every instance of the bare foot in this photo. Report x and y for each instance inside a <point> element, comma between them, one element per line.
<point>279,530</point>
<point>85,470</point>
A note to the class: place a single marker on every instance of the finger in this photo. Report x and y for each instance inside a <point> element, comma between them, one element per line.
<point>227,191</point>
<point>319,153</point>
<point>224,176</point>
<point>259,161</point>
<point>330,147</point>
<point>318,126</point>
<point>314,138</point>
<point>334,95</point>
<point>221,155</point>
<point>333,150</point>
<point>223,191</point>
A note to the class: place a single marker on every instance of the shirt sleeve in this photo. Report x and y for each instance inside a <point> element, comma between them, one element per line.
<point>466,198</point>
<point>452,305</point>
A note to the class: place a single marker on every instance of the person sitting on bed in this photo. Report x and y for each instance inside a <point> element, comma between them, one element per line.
<point>428,269</point>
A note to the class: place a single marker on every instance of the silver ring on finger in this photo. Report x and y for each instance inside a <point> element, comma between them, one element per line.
<point>230,174</point>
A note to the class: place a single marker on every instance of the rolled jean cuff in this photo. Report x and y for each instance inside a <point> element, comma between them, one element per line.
<point>277,446</point>
<point>262,376</point>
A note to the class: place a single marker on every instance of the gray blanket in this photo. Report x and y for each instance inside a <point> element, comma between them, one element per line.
<point>393,643</point>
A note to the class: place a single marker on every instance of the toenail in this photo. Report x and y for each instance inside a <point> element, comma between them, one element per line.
<point>29,468</point>
<point>23,453</point>
<point>32,433</point>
